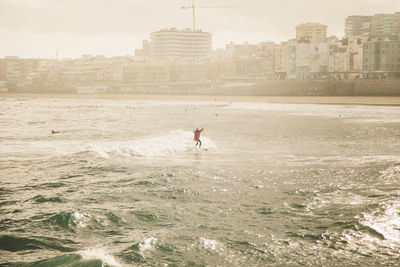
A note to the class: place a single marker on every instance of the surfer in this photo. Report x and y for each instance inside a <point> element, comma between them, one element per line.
<point>197,136</point>
<point>54,132</point>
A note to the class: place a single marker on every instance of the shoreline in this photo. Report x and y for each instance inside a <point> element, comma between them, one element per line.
<point>340,100</point>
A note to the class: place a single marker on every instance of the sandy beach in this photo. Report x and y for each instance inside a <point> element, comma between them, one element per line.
<point>356,100</point>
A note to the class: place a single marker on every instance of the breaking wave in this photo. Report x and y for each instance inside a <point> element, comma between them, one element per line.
<point>71,221</point>
<point>173,142</point>
<point>385,221</point>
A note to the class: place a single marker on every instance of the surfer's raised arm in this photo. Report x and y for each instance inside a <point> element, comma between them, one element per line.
<point>197,136</point>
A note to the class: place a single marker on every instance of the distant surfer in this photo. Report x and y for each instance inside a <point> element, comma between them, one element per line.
<point>54,132</point>
<point>196,138</point>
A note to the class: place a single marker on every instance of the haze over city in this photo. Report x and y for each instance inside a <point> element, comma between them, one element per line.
<point>39,28</point>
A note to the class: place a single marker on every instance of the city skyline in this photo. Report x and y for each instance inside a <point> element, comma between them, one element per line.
<point>40,28</point>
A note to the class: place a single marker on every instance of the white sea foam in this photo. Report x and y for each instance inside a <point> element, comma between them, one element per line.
<point>147,243</point>
<point>385,221</point>
<point>339,198</point>
<point>100,254</point>
<point>390,175</point>
<point>211,244</point>
<point>173,142</point>
<point>81,219</point>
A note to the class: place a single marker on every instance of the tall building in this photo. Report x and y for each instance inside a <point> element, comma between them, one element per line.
<point>357,25</point>
<point>384,24</point>
<point>281,60</point>
<point>378,24</point>
<point>381,57</point>
<point>366,28</point>
<point>311,32</point>
<point>173,43</point>
<point>355,50</point>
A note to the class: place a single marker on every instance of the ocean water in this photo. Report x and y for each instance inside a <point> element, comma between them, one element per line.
<point>122,184</point>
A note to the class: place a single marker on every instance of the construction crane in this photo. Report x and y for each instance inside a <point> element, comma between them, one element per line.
<point>193,7</point>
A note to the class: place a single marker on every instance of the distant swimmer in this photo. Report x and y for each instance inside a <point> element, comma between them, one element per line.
<point>54,132</point>
<point>197,136</point>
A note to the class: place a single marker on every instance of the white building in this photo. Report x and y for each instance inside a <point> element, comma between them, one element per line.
<point>312,60</point>
<point>355,49</point>
<point>173,43</point>
<point>339,62</point>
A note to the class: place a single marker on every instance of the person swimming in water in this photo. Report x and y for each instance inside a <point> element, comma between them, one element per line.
<point>197,136</point>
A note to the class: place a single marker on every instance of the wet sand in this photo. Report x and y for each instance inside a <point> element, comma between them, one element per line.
<point>356,100</point>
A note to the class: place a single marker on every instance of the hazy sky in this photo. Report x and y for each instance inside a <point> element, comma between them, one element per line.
<point>36,28</point>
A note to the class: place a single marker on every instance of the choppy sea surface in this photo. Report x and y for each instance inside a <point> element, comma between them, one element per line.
<point>122,184</point>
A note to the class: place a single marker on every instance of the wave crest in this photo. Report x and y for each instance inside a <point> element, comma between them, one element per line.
<point>173,142</point>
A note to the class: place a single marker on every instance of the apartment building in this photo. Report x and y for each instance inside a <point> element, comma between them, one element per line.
<point>381,57</point>
<point>357,26</point>
<point>242,50</point>
<point>281,60</point>
<point>355,48</point>
<point>14,70</point>
<point>378,24</point>
<point>173,43</point>
<point>385,24</point>
<point>312,60</point>
<point>311,32</point>
<point>339,63</point>
<point>291,50</point>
